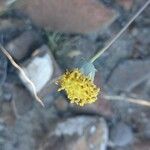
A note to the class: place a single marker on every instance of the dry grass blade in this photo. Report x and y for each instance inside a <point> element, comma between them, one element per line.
<point>22,72</point>
<point>127,99</point>
<point>120,32</point>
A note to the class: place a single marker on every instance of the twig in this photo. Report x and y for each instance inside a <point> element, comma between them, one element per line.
<point>127,99</point>
<point>22,72</point>
<point>120,32</point>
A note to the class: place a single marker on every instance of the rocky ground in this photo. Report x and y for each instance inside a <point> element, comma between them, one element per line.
<point>123,71</point>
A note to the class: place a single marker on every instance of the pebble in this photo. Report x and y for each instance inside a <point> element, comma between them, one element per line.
<point>121,134</point>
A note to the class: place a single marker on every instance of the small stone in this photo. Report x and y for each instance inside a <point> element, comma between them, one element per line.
<point>125,78</point>
<point>41,68</point>
<point>81,16</point>
<point>19,48</point>
<point>121,135</point>
<point>76,133</point>
<point>22,99</point>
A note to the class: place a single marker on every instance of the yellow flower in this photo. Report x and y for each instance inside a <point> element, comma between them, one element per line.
<point>79,88</point>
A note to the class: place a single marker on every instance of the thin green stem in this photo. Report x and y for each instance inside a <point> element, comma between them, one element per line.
<point>98,54</point>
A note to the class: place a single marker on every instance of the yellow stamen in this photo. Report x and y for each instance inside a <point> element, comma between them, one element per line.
<point>79,88</point>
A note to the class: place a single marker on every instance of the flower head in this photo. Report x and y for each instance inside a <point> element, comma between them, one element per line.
<point>79,88</point>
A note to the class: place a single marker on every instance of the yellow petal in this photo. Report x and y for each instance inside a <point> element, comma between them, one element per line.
<point>79,88</point>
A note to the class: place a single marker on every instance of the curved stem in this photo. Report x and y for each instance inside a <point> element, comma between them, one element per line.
<point>119,33</point>
<point>127,99</point>
<point>22,72</point>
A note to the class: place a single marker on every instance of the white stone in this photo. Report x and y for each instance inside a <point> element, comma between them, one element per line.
<point>39,70</point>
<point>72,126</point>
<point>93,129</point>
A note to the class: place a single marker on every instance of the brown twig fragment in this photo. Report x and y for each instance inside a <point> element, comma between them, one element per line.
<point>127,99</point>
<point>22,72</point>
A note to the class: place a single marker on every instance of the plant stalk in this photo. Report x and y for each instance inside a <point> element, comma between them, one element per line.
<point>98,54</point>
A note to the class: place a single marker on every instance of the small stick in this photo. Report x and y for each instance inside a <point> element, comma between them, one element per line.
<point>127,99</point>
<point>22,72</point>
<point>119,33</point>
